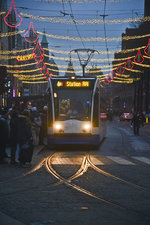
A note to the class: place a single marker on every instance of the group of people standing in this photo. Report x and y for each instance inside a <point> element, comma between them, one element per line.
<point>21,132</point>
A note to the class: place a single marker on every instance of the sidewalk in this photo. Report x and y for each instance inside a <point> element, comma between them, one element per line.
<point>5,219</point>
<point>127,124</point>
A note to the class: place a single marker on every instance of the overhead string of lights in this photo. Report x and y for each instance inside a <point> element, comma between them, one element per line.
<point>80,1</point>
<point>38,52</point>
<point>84,21</point>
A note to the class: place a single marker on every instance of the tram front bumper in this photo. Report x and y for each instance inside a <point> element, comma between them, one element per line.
<point>58,139</point>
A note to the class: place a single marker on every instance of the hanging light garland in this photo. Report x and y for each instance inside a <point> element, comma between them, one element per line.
<point>27,76</point>
<point>16,66</point>
<point>84,21</point>
<point>22,71</point>
<point>1,13</point>
<point>80,1</point>
<point>8,34</point>
<point>14,51</point>
<point>34,82</point>
<point>99,52</point>
<point>126,38</point>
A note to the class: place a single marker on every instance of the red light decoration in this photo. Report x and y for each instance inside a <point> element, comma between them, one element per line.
<point>120,69</point>
<point>109,78</point>
<point>139,58</point>
<point>49,76</point>
<point>106,81</point>
<point>40,64</point>
<point>114,75</point>
<point>31,28</point>
<point>38,51</point>
<point>38,58</point>
<point>147,49</point>
<point>44,70</point>
<point>129,64</point>
<point>12,7</point>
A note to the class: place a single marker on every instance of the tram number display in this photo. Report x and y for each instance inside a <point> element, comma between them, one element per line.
<point>73,84</point>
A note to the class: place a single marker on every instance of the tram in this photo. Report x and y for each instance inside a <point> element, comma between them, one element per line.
<point>74,107</point>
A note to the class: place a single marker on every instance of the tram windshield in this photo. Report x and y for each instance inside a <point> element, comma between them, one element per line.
<point>73,104</point>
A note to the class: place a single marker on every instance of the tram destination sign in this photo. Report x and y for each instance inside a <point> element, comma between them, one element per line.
<point>73,84</point>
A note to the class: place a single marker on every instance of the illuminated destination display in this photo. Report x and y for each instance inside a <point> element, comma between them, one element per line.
<point>73,84</point>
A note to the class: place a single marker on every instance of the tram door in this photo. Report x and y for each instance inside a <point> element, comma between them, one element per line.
<point>96,107</point>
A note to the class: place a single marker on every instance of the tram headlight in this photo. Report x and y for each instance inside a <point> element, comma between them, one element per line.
<point>58,127</point>
<point>86,127</point>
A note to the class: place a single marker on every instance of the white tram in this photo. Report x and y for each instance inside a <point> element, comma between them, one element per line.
<point>74,111</point>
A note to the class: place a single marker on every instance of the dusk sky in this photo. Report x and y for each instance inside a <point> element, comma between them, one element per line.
<point>116,10</point>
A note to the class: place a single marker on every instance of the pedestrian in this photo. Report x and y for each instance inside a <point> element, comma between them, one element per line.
<point>24,138</point>
<point>36,124</point>
<point>13,135</point>
<point>136,123</point>
<point>4,134</point>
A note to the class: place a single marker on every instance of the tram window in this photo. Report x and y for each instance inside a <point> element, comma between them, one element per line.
<point>96,110</point>
<point>73,105</point>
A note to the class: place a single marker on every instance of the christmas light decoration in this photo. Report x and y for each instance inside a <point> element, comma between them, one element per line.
<point>122,75</point>
<point>85,21</point>
<point>35,82</point>
<point>31,32</point>
<point>12,8</point>
<point>11,33</point>
<point>14,51</point>
<point>27,76</point>
<point>106,81</point>
<point>147,49</point>
<point>129,64</point>
<point>47,76</point>
<point>25,57</point>
<point>143,65</point>
<point>126,38</point>
<point>1,13</point>
<point>120,69</point>
<point>139,58</point>
<point>80,1</point>
<point>38,52</point>
<point>23,71</point>
<point>15,66</point>
<point>99,52</point>
<point>31,78</point>
<point>92,60</point>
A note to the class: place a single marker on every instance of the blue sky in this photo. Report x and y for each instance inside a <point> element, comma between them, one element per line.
<point>122,9</point>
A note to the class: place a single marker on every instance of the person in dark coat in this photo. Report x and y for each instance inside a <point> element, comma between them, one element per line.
<point>24,138</point>
<point>136,123</point>
<point>36,124</point>
<point>4,134</point>
<point>13,135</point>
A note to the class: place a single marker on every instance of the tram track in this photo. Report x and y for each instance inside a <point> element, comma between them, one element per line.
<point>116,177</point>
<point>85,164</point>
<point>68,182</point>
<point>76,187</point>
